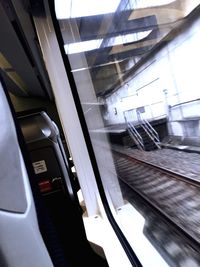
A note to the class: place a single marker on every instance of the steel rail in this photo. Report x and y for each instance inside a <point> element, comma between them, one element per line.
<point>173,174</point>
<point>194,242</point>
<point>190,236</point>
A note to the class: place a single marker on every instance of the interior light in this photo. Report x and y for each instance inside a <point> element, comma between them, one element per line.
<point>82,46</point>
<point>78,8</point>
<point>128,38</point>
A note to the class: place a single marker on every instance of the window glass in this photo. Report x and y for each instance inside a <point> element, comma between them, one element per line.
<point>135,64</point>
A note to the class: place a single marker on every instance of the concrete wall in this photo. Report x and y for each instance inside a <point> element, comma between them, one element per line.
<point>167,84</point>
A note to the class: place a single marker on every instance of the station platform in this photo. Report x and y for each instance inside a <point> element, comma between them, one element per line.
<point>187,144</point>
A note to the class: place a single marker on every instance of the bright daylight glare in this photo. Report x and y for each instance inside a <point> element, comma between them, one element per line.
<point>77,8</point>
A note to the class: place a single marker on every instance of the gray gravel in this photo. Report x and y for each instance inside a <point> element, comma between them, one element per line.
<point>175,198</point>
<point>180,161</point>
<point>177,251</point>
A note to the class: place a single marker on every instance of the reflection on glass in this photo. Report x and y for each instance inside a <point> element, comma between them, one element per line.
<point>76,8</point>
<point>136,68</point>
<point>82,46</point>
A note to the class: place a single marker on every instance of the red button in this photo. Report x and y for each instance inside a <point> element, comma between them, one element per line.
<point>45,186</point>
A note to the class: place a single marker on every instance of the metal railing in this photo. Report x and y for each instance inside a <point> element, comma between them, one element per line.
<point>150,131</point>
<point>134,134</point>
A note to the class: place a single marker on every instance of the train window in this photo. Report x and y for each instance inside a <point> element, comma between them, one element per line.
<point>135,65</point>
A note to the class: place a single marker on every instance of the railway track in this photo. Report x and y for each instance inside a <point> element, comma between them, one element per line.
<point>167,239</point>
<point>173,174</point>
<point>174,195</point>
